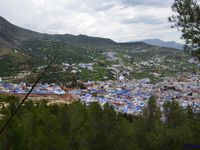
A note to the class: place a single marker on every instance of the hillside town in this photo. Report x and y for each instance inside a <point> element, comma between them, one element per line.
<point>126,96</point>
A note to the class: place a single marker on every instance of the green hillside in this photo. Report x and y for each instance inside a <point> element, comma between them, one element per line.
<point>24,54</point>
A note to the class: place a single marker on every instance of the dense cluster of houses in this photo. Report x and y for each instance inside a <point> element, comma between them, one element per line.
<point>111,56</point>
<point>131,97</point>
<point>126,96</point>
<point>24,88</point>
<point>185,89</point>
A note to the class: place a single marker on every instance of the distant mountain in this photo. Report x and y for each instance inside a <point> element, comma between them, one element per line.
<point>26,50</point>
<point>169,44</point>
<point>14,36</point>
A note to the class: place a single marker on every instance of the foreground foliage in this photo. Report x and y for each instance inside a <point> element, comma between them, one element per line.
<point>75,126</point>
<point>187,19</point>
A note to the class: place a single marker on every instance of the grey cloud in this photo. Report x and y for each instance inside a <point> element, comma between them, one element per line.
<point>94,17</point>
<point>147,2</point>
<point>92,5</point>
<point>101,6</point>
<point>146,20</point>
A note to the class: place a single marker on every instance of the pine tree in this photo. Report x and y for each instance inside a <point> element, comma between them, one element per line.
<point>187,19</point>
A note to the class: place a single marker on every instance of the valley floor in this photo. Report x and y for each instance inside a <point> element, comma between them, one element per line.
<point>126,96</point>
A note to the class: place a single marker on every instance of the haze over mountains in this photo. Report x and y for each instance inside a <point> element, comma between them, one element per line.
<point>170,44</point>
<point>14,36</point>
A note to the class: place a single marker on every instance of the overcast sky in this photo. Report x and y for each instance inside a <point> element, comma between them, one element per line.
<point>120,20</point>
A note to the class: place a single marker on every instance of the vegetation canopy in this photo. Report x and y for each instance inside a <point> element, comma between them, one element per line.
<point>77,127</point>
<point>187,19</point>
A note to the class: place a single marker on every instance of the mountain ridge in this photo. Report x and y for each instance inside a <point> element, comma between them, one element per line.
<point>13,36</point>
<point>23,50</point>
<point>161,43</point>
